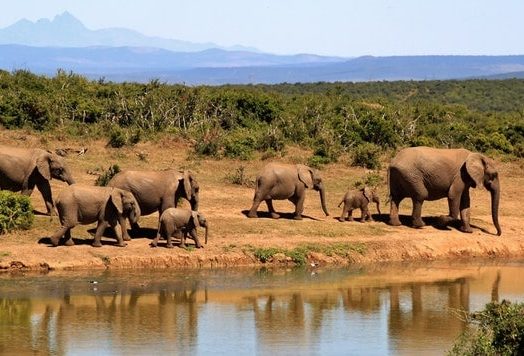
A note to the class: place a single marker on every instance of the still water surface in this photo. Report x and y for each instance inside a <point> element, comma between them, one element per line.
<point>354,311</point>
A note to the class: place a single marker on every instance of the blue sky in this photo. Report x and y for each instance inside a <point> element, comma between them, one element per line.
<point>327,27</point>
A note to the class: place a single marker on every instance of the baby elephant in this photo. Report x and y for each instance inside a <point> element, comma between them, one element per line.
<point>79,204</point>
<point>358,199</point>
<point>180,221</point>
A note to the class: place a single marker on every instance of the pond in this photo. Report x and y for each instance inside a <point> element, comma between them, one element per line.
<point>385,309</point>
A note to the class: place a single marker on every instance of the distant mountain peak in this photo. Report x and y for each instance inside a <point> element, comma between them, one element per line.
<point>67,19</point>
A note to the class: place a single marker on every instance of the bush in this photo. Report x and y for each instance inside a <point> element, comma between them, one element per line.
<point>500,331</point>
<point>117,138</point>
<point>240,144</point>
<point>105,177</point>
<point>371,180</point>
<point>367,155</point>
<point>16,211</point>
<point>239,177</point>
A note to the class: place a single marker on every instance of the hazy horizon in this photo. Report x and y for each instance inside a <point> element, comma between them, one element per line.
<point>332,28</point>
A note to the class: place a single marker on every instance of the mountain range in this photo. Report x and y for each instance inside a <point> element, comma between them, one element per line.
<point>120,54</point>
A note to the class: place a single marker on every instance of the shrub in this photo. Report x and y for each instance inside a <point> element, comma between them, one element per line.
<point>265,254</point>
<point>105,177</point>
<point>367,155</point>
<point>117,138</point>
<point>499,331</point>
<point>239,177</point>
<point>371,179</point>
<point>16,211</point>
<point>240,144</point>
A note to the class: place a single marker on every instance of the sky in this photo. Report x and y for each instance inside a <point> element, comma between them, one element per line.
<point>347,28</point>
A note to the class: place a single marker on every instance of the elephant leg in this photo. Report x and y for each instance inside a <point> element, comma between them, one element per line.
<point>299,205</point>
<point>123,227</point>
<point>68,241</point>
<point>55,239</point>
<point>119,232</point>
<point>169,231</point>
<point>272,212</point>
<point>350,215</point>
<point>465,212</point>
<point>45,190</point>
<point>417,213</point>
<point>183,239</point>
<point>102,225</point>
<point>454,210</point>
<point>393,212</point>
<point>342,217</point>
<point>365,215</point>
<point>256,202</point>
<point>194,236</point>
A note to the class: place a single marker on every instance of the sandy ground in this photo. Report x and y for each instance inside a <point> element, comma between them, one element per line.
<point>234,238</point>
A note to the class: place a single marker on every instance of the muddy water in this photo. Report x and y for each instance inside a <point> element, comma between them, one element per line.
<point>372,310</point>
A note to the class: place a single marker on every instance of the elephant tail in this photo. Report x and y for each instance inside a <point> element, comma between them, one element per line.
<point>339,204</point>
<point>388,200</point>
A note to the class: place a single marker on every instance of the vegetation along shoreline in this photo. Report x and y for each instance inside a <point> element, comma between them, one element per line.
<point>225,135</point>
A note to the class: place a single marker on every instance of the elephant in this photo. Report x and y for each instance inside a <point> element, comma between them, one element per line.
<point>424,173</point>
<point>285,181</point>
<point>79,204</point>
<point>180,221</point>
<point>21,169</point>
<point>358,199</point>
<point>158,190</point>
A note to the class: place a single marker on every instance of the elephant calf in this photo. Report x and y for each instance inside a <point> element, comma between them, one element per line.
<point>184,221</point>
<point>78,204</point>
<point>358,199</point>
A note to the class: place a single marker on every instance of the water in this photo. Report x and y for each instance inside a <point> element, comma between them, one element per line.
<point>354,311</point>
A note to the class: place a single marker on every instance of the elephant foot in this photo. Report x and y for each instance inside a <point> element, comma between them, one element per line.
<point>69,242</point>
<point>466,229</point>
<point>127,238</point>
<point>341,219</point>
<point>171,246</point>
<point>97,244</point>
<point>445,220</point>
<point>252,215</point>
<point>153,244</point>
<point>122,244</point>
<point>275,215</point>
<point>54,242</point>
<point>394,222</point>
<point>297,217</point>
<point>181,246</point>
<point>418,223</point>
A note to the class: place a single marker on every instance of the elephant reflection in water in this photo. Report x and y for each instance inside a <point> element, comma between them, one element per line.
<point>364,299</point>
<point>425,316</point>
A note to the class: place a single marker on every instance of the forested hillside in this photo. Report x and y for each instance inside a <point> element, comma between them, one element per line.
<point>360,119</point>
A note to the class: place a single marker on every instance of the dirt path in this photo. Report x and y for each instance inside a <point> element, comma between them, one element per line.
<point>236,240</point>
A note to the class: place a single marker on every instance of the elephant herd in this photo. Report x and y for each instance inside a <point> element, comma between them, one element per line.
<point>418,173</point>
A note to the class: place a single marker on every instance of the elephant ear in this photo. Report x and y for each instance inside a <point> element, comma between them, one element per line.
<point>187,184</point>
<point>367,193</point>
<point>305,174</point>
<point>116,198</point>
<point>42,164</point>
<point>194,216</point>
<point>475,168</point>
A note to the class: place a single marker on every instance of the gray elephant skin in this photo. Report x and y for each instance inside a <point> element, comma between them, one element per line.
<point>79,204</point>
<point>285,181</point>
<point>180,222</point>
<point>358,199</point>
<point>22,169</point>
<point>424,173</point>
<point>158,190</point>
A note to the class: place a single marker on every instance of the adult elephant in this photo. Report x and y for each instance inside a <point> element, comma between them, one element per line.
<point>158,190</point>
<point>21,169</point>
<point>424,173</point>
<point>284,181</point>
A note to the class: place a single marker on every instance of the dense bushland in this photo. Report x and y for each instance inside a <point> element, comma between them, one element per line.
<point>361,120</point>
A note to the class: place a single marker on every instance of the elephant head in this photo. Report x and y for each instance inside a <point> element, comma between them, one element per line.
<point>312,179</point>
<point>51,165</point>
<point>200,220</point>
<point>481,171</point>
<point>191,189</point>
<point>372,196</point>
<point>126,204</point>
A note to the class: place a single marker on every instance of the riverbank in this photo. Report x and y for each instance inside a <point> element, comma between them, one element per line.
<point>236,240</point>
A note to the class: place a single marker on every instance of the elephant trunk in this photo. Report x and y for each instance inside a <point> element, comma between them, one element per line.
<point>378,208</point>
<point>323,199</point>
<point>194,203</point>
<point>494,189</point>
